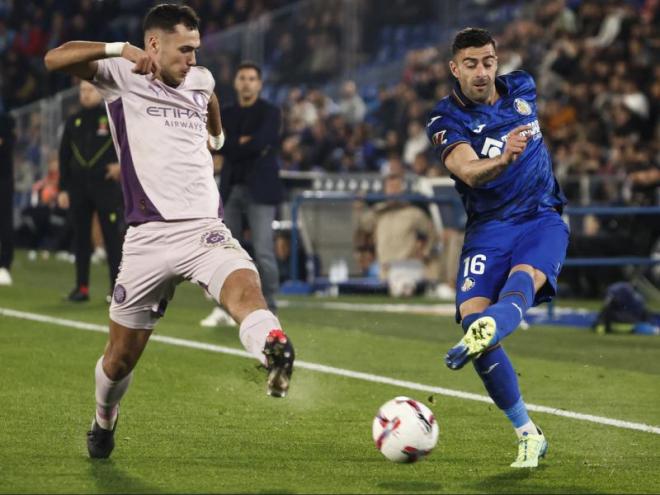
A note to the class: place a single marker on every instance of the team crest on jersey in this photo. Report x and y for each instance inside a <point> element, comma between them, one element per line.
<point>439,138</point>
<point>119,294</point>
<point>102,129</point>
<point>468,283</point>
<point>522,107</point>
<point>213,238</point>
<point>199,99</point>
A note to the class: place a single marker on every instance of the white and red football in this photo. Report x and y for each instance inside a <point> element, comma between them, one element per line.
<point>405,430</point>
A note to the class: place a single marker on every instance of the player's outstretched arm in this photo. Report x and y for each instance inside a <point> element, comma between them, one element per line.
<point>465,164</point>
<point>78,58</point>
<point>214,123</point>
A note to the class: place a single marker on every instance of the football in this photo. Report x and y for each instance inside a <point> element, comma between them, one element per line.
<point>405,430</point>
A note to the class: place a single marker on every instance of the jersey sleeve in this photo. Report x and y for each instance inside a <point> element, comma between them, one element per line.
<point>525,86</point>
<point>112,77</point>
<point>445,133</point>
<point>210,80</point>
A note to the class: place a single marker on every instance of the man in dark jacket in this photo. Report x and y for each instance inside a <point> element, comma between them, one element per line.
<point>6,197</point>
<point>250,186</point>
<point>89,181</point>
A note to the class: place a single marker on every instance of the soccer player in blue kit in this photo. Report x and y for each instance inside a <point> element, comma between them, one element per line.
<point>487,134</point>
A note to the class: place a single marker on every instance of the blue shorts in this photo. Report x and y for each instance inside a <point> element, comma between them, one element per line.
<point>491,249</point>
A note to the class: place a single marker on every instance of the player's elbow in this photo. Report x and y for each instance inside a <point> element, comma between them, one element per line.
<point>48,60</point>
<point>466,176</point>
<point>51,59</point>
<point>468,180</point>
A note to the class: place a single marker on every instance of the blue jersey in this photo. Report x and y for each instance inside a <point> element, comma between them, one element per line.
<point>528,184</point>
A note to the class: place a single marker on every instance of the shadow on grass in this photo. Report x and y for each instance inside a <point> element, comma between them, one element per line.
<point>110,478</point>
<point>410,486</point>
<point>275,491</point>
<point>507,482</point>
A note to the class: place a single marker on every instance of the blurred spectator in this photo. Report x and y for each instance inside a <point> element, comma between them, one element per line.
<point>384,115</point>
<point>351,104</point>
<point>286,58</point>
<point>403,235</point>
<point>325,106</point>
<point>30,40</point>
<point>421,165</point>
<point>323,58</point>
<point>365,257</point>
<point>416,143</point>
<point>45,225</point>
<point>301,113</point>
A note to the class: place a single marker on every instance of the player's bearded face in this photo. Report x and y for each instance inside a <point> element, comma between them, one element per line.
<point>475,69</point>
<point>175,52</point>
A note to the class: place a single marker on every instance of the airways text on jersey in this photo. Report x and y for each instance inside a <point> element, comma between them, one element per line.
<point>179,117</point>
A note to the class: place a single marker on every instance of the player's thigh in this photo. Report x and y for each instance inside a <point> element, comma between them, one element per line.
<point>212,255</point>
<point>241,294</point>
<point>542,245</point>
<point>473,305</point>
<point>145,283</point>
<point>482,271</point>
<point>538,276</point>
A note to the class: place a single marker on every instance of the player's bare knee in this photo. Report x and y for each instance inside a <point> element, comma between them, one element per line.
<point>249,299</point>
<point>118,365</point>
<point>241,294</point>
<point>537,275</point>
<point>540,279</point>
<point>474,305</point>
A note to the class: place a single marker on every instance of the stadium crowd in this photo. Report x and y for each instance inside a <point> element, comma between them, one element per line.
<point>595,63</point>
<point>599,85</point>
<point>30,28</point>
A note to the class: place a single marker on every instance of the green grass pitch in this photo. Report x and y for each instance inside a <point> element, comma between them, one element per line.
<point>196,421</point>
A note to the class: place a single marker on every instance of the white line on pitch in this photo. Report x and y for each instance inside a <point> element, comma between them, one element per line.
<point>336,371</point>
<point>421,309</point>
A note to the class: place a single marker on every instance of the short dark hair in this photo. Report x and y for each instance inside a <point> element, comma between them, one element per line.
<point>249,64</point>
<point>166,16</point>
<point>471,37</point>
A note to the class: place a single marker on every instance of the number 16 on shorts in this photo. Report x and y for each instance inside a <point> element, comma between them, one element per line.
<point>472,265</point>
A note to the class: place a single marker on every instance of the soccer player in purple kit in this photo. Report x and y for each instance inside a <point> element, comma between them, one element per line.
<point>487,134</point>
<point>163,116</point>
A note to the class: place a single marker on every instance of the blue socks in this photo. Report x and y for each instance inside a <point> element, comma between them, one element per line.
<point>515,298</point>
<point>494,366</point>
<point>500,379</point>
<point>496,371</point>
<point>517,414</point>
<point>469,320</point>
